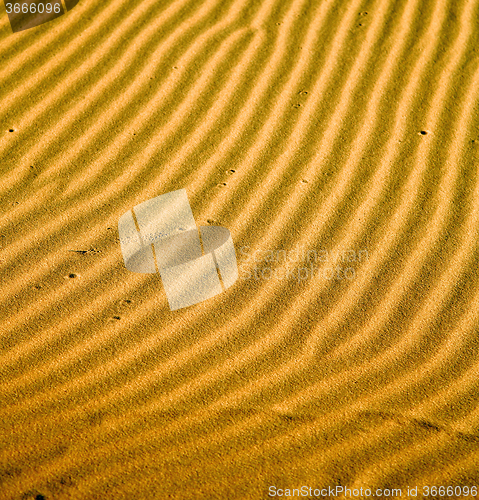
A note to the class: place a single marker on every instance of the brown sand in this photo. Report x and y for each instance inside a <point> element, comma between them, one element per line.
<point>295,124</point>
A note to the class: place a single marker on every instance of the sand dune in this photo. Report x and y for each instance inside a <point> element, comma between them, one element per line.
<point>337,141</point>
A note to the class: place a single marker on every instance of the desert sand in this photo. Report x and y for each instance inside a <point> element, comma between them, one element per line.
<point>338,142</point>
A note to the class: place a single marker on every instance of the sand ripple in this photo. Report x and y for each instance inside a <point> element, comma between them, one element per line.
<point>337,141</point>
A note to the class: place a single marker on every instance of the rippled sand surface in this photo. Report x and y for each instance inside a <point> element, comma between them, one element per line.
<point>338,142</point>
